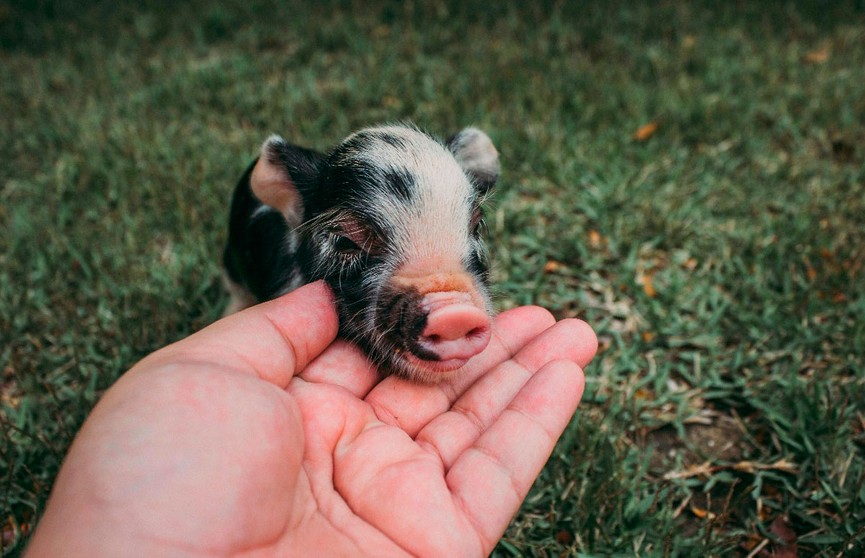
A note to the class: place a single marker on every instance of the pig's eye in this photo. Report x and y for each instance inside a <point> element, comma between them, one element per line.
<point>345,245</point>
<point>352,237</point>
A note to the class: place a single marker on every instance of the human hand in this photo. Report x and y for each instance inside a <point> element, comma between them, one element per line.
<point>261,435</point>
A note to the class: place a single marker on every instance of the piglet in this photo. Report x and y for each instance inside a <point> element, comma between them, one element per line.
<point>391,219</point>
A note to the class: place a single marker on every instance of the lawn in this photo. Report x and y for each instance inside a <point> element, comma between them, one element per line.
<point>687,177</point>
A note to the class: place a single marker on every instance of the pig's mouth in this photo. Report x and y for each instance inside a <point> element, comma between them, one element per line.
<point>434,365</point>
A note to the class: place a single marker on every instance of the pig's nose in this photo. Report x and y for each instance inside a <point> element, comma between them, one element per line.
<point>455,328</point>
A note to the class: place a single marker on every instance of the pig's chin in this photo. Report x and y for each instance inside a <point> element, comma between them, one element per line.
<point>426,367</point>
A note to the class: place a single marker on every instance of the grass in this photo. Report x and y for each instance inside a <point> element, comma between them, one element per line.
<point>721,258</point>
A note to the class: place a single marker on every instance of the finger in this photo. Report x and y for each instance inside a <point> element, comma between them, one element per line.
<point>411,406</point>
<point>343,364</point>
<point>457,429</point>
<point>273,340</point>
<point>491,479</point>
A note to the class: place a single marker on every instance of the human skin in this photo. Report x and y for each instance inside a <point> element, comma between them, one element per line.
<point>263,435</point>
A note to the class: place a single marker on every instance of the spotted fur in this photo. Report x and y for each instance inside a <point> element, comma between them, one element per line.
<point>386,207</point>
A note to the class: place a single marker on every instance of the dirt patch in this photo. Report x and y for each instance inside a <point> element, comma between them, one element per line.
<point>719,441</point>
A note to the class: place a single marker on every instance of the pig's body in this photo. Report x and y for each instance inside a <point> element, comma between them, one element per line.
<point>390,219</point>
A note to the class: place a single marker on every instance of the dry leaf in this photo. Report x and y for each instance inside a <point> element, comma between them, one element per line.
<point>552,266</point>
<point>752,467</point>
<point>785,466</point>
<point>702,513</point>
<point>10,400</point>
<point>787,547</point>
<point>646,131</point>
<point>564,538</point>
<point>758,550</point>
<point>692,471</point>
<point>648,287</point>
<point>751,542</point>
<point>11,531</point>
<point>682,506</point>
<point>604,343</point>
<point>817,56</point>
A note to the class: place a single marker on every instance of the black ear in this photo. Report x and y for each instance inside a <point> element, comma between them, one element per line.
<point>477,155</point>
<point>281,174</point>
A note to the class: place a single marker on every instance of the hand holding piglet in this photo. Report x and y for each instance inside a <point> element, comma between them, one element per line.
<point>261,434</point>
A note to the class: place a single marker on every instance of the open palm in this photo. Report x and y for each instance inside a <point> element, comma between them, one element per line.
<point>261,435</point>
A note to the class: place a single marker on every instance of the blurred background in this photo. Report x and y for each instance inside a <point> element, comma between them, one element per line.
<point>689,177</point>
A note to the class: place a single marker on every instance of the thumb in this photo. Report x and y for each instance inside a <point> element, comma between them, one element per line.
<point>274,340</point>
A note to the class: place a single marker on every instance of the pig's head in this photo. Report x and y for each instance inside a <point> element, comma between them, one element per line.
<point>391,219</point>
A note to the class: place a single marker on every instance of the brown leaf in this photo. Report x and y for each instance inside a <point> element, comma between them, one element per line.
<point>552,266</point>
<point>595,238</point>
<point>604,343</point>
<point>787,547</point>
<point>13,401</point>
<point>751,542</point>
<point>648,287</point>
<point>693,471</point>
<point>759,549</point>
<point>648,336</point>
<point>10,532</point>
<point>564,538</point>
<point>785,466</point>
<point>646,131</point>
<point>818,56</point>
<point>752,467</point>
<point>746,467</point>
<point>702,513</point>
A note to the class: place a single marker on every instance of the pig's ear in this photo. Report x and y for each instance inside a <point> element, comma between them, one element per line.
<point>477,155</point>
<point>280,175</point>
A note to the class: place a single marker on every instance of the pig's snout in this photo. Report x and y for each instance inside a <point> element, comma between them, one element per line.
<point>456,329</point>
<point>434,323</point>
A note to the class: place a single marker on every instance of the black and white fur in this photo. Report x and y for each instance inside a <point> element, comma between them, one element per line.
<point>385,216</point>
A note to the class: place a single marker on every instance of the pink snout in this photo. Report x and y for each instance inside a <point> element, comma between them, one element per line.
<point>456,329</point>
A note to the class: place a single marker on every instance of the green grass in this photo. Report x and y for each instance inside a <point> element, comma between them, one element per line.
<point>721,260</point>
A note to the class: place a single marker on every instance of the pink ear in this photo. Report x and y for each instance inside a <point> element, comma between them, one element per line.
<point>272,184</point>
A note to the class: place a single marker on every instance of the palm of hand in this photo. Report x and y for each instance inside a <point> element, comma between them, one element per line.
<point>218,444</point>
